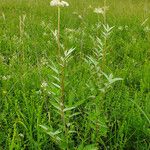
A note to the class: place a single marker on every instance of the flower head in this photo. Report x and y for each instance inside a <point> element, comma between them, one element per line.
<point>44,85</point>
<point>59,3</point>
<point>101,10</point>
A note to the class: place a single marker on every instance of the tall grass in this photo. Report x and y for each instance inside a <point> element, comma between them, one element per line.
<point>58,86</point>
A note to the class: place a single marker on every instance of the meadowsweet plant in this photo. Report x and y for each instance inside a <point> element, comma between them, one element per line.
<point>59,4</point>
<point>102,82</point>
<point>99,79</point>
<point>62,135</point>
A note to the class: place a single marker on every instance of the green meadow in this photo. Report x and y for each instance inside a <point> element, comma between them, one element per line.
<point>75,77</point>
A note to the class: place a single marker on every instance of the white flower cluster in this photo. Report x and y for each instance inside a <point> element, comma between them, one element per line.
<point>44,85</point>
<point>59,3</point>
<point>44,61</point>
<point>101,10</point>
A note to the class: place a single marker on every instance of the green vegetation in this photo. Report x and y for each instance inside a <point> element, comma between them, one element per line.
<point>87,88</point>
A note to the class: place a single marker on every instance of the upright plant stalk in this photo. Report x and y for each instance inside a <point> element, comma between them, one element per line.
<point>12,145</point>
<point>104,52</point>
<point>105,5</point>
<point>105,39</point>
<point>61,75</point>
<point>62,78</point>
<point>58,34</point>
<point>21,31</point>
<point>145,8</point>
<point>21,57</point>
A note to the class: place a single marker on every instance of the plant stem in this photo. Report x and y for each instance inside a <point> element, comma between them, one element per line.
<point>62,80</point>
<point>21,30</point>
<point>105,39</point>
<point>104,52</point>
<point>62,71</point>
<point>58,34</point>
<point>145,8</point>
<point>105,5</point>
<point>13,138</point>
<point>62,95</point>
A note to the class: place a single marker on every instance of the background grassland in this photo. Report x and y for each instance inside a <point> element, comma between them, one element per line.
<point>24,106</point>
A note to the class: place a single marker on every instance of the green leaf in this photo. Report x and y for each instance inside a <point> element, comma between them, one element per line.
<point>68,109</point>
<point>56,78</point>
<point>54,69</point>
<point>74,114</point>
<point>56,85</point>
<point>56,105</point>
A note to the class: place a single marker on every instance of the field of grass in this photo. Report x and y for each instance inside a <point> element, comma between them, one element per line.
<point>85,88</point>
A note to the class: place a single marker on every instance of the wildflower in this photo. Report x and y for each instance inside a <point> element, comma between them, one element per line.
<point>44,61</point>
<point>101,10</point>
<point>59,3</point>
<point>44,85</point>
